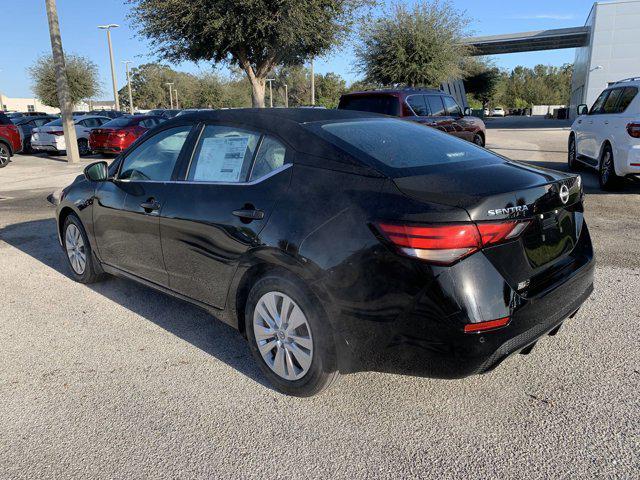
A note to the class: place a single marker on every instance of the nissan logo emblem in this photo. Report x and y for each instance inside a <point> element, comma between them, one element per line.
<point>564,194</point>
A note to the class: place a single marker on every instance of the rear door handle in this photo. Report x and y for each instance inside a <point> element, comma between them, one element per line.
<point>249,214</point>
<point>150,205</point>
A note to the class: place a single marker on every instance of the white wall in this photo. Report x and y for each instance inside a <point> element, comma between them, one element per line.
<point>614,45</point>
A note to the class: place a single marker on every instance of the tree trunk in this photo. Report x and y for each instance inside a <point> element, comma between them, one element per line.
<point>257,92</point>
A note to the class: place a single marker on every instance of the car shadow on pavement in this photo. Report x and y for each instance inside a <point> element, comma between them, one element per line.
<point>38,239</point>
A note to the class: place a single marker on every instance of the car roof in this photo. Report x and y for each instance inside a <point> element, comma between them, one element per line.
<point>627,82</point>
<point>27,119</point>
<point>84,117</point>
<point>395,91</point>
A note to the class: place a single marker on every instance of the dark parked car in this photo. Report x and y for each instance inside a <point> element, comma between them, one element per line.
<point>117,134</point>
<point>10,140</point>
<point>164,113</point>
<point>27,124</point>
<point>338,241</point>
<point>108,113</point>
<point>427,106</point>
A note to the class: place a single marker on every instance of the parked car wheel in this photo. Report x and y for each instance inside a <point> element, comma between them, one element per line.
<point>478,140</point>
<point>289,337</point>
<point>5,155</point>
<point>609,180</point>
<point>84,267</point>
<point>572,154</point>
<point>83,147</point>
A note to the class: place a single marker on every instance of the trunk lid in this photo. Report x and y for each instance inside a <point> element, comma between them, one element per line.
<point>550,201</point>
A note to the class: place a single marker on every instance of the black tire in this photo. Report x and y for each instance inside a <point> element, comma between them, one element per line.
<point>478,140</point>
<point>92,272</point>
<point>26,148</point>
<point>572,155</point>
<point>323,371</point>
<point>5,155</point>
<point>607,176</point>
<point>83,147</point>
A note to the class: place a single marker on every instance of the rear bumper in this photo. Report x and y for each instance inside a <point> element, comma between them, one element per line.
<point>627,160</point>
<point>106,148</point>
<point>427,338</point>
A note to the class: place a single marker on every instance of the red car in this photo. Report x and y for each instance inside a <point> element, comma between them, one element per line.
<point>10,140</point>
<point>117,134</point>
<point>431,107</point>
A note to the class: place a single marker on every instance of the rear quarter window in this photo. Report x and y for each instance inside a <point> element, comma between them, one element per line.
<point>385,104</point>
<point>626,98</point>
<point>400,147</point>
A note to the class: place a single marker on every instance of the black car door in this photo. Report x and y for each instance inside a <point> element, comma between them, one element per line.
<point>126,210</point>
<point>217,211</point>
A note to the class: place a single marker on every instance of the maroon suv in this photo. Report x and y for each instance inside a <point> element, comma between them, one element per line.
<point>428,106</point>
<point>10,140</point>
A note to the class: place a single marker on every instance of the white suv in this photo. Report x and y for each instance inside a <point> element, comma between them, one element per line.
<point>607,137</point>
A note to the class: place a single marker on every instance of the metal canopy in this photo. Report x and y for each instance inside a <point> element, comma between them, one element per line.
<point>530,41</point>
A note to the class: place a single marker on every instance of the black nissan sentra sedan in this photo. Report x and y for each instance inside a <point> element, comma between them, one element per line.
<point>338,241</point>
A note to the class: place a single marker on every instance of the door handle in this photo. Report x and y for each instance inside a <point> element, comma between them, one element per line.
<point>249,214</point>
<point>606,122</point>
<point>150,205</point>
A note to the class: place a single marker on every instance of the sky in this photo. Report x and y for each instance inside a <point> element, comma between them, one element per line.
<point>26,36</point>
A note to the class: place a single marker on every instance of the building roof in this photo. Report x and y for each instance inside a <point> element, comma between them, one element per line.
<point>530,41</point>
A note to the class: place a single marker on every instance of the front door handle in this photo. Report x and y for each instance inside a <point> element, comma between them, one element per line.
<point>150,205</point>
<point>249,214</point>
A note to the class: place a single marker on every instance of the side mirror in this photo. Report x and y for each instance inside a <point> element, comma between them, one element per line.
<point>583,109</point>
<point>97,172</point>
<point>468,112</point>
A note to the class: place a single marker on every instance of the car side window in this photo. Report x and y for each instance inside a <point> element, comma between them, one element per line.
<point>611,104</point>
<point>155,159</point>
<point>40,122</point>
<point>628,94</point>
<point>418,105</point>
<point>435,105</point>
<point>599,103</point>
<point>270,157</point>
<point>223,154</point>
<point>452,107</point>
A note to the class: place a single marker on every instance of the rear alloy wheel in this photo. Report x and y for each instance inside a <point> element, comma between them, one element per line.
<point>84,268</point>
<point>478,140</point>
<point>572,154</point>
<point>609,180</point>
<point>83,147</point>
<point>5,156</point>
<point>289,338</point>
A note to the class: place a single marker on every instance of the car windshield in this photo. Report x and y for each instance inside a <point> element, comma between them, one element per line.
<point>55,123</point>
<point>400,147</point>
<point>118,122</point>
<point>385,104</point>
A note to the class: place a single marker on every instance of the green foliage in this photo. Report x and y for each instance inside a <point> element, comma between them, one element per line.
<point>329,87</point>
<point>82,78</point>
<point>255,35</point>
<point>483,85</point>
<point>540,85</point>
<point>417,46</point>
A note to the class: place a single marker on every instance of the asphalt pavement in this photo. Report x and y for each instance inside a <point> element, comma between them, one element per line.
<point>115,380</point>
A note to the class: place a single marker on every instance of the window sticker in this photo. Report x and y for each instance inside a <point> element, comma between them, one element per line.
<point>221,159</point>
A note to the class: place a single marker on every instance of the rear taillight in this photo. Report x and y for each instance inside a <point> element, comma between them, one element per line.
<point>446,244</point>
<point>57,132</point>
<point>633,129</point>
<point>121,133</point>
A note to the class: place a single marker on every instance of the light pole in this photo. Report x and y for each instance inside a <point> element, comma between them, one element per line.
<point>270,80</point>
<point>170,94</point>
<point>313,85</point>
<point>286,96</point>
<point>175,96</point>
<point>113,68</point>
<point>126,66</point>
<point>66,107</point>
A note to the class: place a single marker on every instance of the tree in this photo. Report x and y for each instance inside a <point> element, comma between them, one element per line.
<point>329,87</point>
<point>483,85</point>
<point>419,46</point>
<point>256,35</point>
<point>540,85</point>
<point>82,78</point>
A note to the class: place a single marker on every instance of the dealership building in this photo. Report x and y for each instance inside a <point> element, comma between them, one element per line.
<point>607,47</point>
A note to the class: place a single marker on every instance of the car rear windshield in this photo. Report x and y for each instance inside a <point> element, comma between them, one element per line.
<point>401,147</point>
<point>4,120</point>
<point>385,104</point>
<point>119,122</point>
<point>55,123</point>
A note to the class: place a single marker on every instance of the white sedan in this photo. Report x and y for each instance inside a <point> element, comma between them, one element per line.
<point>498,112</point>
<point>50,137</point>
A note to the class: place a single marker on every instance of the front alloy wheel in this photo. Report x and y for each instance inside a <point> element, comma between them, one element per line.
<point>283,335</point>
<point>76,252</point>
<point>4,156</point>
<point>609,180</point>
<point>572,154</point>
